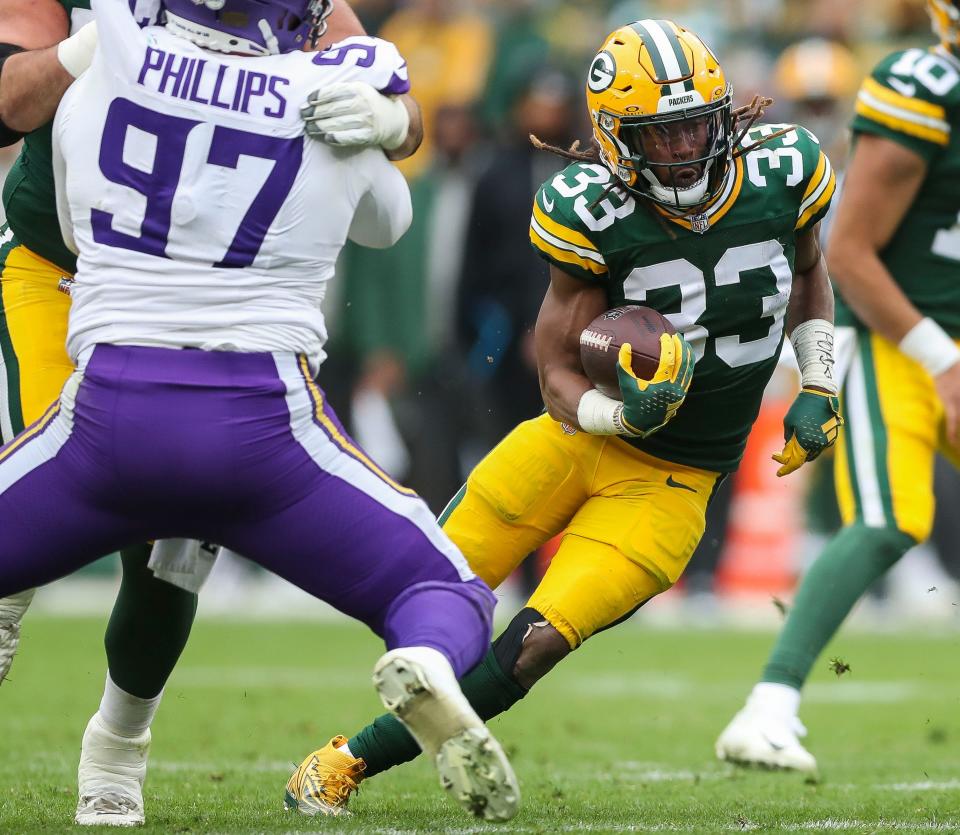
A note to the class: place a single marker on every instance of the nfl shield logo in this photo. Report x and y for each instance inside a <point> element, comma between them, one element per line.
<point>700,223</point>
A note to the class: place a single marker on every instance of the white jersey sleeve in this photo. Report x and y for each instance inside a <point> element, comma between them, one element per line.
<point>384,212</point>
<point>202,214</point>
<point>371,60</point>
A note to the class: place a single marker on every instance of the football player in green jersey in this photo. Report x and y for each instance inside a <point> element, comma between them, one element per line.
<point>895,257</point>
<point>686,206</point>
<point>151,620</point>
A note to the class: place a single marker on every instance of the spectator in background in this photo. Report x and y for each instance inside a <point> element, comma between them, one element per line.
<point>816,82</point>
<point>448,48</point>
<point>398,321</point>
<point>503,281</point>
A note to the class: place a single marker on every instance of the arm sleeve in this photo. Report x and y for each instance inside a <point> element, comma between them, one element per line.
<point>895,104</point>
<point>384,211</point>
<point>557,237</point>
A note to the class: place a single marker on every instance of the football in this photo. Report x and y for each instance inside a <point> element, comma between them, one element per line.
<point>600,344</point>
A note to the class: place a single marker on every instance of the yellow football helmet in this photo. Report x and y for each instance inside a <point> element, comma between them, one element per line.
<point>816,69</point>
<point>945,15</point>
<point>661,111</point>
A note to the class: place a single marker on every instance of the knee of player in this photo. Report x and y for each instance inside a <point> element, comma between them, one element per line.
<point>542,649</point>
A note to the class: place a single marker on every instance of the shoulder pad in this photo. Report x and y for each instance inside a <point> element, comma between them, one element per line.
<point>909,95</point>
<point>565,221</point>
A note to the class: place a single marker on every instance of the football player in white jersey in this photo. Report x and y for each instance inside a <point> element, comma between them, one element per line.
<point>196,330</point>
<point>34,266</point>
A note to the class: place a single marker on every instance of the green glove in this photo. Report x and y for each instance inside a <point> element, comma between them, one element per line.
<point>649,404</point>
<point>811,426</point>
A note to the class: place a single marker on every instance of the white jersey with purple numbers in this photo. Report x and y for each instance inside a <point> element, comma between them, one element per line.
<point>202,215</point>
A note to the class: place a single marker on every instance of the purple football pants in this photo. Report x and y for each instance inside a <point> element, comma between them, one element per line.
<point>240,449</point>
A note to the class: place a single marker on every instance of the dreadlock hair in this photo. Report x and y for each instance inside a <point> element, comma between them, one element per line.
<point>744,118</point>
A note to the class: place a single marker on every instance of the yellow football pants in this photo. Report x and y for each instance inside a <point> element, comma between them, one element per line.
<point>894,427</point>
<point>631,521</point>
<point>33,332</point>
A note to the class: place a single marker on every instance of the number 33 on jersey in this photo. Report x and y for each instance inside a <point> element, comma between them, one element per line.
<point>722,277</point>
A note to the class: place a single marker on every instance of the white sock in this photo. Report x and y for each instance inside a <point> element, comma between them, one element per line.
<point>345,749</point>
<point>778,698</point>
<point>124,714</point>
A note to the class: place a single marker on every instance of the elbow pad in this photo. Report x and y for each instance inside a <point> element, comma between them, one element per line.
<point>7,135</point>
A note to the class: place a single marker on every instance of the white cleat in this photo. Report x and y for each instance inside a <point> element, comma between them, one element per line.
<point>767,739</point>
<point>12,610</point>
<point>418,686</point>
<point>111,774</point>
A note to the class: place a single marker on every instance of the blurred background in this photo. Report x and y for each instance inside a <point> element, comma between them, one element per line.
<point>431,356</point>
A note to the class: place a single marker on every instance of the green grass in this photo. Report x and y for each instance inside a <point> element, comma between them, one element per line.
<point>618,739</point>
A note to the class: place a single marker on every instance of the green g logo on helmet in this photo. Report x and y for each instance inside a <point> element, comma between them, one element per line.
<point>602,72</point>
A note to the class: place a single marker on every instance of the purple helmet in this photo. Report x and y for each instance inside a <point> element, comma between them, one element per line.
<point>255,27</point>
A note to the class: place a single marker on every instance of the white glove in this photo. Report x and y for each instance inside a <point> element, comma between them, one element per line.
<point>354,113</point>
<point>76,52</point>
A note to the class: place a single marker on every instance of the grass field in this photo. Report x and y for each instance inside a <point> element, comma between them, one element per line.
<point>618,739</point>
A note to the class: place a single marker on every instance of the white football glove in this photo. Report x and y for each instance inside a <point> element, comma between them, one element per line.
<point>354,113</point>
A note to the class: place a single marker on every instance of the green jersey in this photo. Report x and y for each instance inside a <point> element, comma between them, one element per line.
<point>913,98</point>
<point>28,193</point>
<point>722,277</point>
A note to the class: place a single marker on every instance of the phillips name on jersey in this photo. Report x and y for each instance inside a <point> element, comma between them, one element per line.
<point>224,219</point>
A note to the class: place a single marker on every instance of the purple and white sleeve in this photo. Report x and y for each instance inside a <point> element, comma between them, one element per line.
<point>374,61</point>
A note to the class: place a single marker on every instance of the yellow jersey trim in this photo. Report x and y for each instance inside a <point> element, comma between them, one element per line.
<point>887,108</point>
<point>823,200</point>
<point>892,97</point>
<point>571,236</point>
<point>822,165</point>
<point>718,207</point>
<point>819,192</point>
<point>566,256</point>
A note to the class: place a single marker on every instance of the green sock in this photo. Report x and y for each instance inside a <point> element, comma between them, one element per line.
<point>148,627</point>
<point>385,743</point>
<point>847,567</point>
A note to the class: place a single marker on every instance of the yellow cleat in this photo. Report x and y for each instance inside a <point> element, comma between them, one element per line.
<point>324,782</point>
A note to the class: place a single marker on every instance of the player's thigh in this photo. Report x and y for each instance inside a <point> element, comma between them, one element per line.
<point>333,522</point>
<point>52,516</point>
<point>521,494</point>
<point>33,332</point>
<point>652,511</point>
<point>630,541</point>
<point>884,461</point>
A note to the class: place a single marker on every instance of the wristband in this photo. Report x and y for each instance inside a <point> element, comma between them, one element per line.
<point>598,414</point>
<point>813,345</point>
<point>928,344</point>
<point>76,52</point>
<point>399,122</point>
